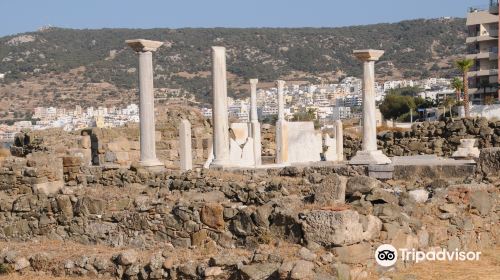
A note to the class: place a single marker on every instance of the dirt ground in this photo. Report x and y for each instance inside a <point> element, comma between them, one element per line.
<point>488,267</point>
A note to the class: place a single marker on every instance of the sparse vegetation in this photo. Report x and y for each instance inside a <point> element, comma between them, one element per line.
<point>415,48</point>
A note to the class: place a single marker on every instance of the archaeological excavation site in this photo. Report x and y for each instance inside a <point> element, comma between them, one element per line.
<point>180,196</point>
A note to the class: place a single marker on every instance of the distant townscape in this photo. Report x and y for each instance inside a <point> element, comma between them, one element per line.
<point>328,102</point>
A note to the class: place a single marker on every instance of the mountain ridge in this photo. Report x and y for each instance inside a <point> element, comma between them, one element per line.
<point>414,49</point>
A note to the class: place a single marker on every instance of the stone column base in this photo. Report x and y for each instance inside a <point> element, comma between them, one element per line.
<point>369,157</point>
<point>151,163</point>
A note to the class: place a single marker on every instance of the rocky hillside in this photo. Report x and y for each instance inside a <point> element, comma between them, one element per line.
<point>416,48</point>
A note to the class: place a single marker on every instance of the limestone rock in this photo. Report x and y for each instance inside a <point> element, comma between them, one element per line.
<point>331,190</point>
<point>354,254</point>
<point>21,263</point>
<point>259,271</point>
<point>362,184</point>
<point>329,228</point>
<point>212,215</point>
<point>128,257</point>
<point>306,254</point>
<point>419,196</point>
<point>302,270</point>
<point>481,201</point>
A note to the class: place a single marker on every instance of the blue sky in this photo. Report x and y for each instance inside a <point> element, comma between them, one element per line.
<point>27,15</point>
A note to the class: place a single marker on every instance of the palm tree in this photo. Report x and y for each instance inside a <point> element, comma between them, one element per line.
<point>458,86</point>
<point>464,65</point>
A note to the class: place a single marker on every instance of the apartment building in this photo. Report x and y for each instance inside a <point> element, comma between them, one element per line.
<point>482,47</point>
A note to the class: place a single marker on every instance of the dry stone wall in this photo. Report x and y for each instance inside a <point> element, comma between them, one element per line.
<point>218,214</point>
<point>440,138</point>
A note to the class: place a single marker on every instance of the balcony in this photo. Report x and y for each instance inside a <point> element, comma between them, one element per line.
<point>481,73</point>
<point>479,16</point>
<point>491,54</point>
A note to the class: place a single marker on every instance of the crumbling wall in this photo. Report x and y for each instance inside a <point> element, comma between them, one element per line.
<point>440,138</point>
<point>233,216</point>
<point>121,146</point>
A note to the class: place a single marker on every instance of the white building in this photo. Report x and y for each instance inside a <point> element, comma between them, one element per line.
<point>341,113</point>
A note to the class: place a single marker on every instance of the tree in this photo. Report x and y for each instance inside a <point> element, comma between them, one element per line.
<point>458,86</point>
<point>464,66</point>
<point>395,105</point>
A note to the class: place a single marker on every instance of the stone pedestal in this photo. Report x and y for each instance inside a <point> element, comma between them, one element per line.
<point>254,123</point>
<point>467,149</point>
<point>219,113</point>
<point>146,100</point>
<point>281,127</point>
<point>369,153</point>
<point>185,152</point>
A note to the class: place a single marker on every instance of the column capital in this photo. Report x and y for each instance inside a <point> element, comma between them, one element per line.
<point>368,55</point>
<point>254,81</point>
<point>280,83</point>
<point>219,49</point>
<point>141,45</point>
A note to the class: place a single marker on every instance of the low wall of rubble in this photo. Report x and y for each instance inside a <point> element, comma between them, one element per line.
<point>440,138</point>
<point>331,219</point>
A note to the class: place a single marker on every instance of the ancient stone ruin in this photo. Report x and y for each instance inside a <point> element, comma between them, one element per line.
<point>88,203</point>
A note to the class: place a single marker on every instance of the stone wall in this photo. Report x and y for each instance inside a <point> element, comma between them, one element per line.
<point>334,216</point>
<point>441,138</point>
<point>120,146</point>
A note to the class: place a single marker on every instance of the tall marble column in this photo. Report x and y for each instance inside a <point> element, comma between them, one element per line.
<point>219,111</point>
<point>254,123</point>
<point>369,153</point>
<point>281,100</point>
<point>185,152</point>
<point>146,100</point>
<point>339,140</point>
<point>281,127</point>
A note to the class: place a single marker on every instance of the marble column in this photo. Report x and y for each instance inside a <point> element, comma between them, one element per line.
<point>369,153</point>
<point>185,152</point>
<point>254,123</point>
<point>281,100</point>
<point>339,140</point>
<point>145,49</point>
<point>220,119</point>
<point>281,127</point>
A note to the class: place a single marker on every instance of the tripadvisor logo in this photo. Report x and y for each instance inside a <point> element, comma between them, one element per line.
<point>386,255</point>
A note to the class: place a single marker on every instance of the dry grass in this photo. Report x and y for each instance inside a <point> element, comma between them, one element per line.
<point>488,267</point>
<point>4,152</point>
<point>34,276</point>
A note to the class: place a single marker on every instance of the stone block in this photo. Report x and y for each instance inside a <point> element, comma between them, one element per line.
<point>48,187</point>
<point>355,254</point>
<point>72,161</point>
<point>329,228</point>
<point>212,215</point>
<point>330,190</point>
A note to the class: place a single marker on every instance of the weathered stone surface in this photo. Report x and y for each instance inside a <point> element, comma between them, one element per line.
<point>419,196</point>
<point>331,190</point>
<point>212,215</point>
<point>302,270</point>
<point>21,263</point>
<point>481,201</point>
<point>362,184</point>
<point>357,253</point>
<point>128,257</point>
<point>333,228</point>
<point>259,271</point>
<point>489,161</point>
